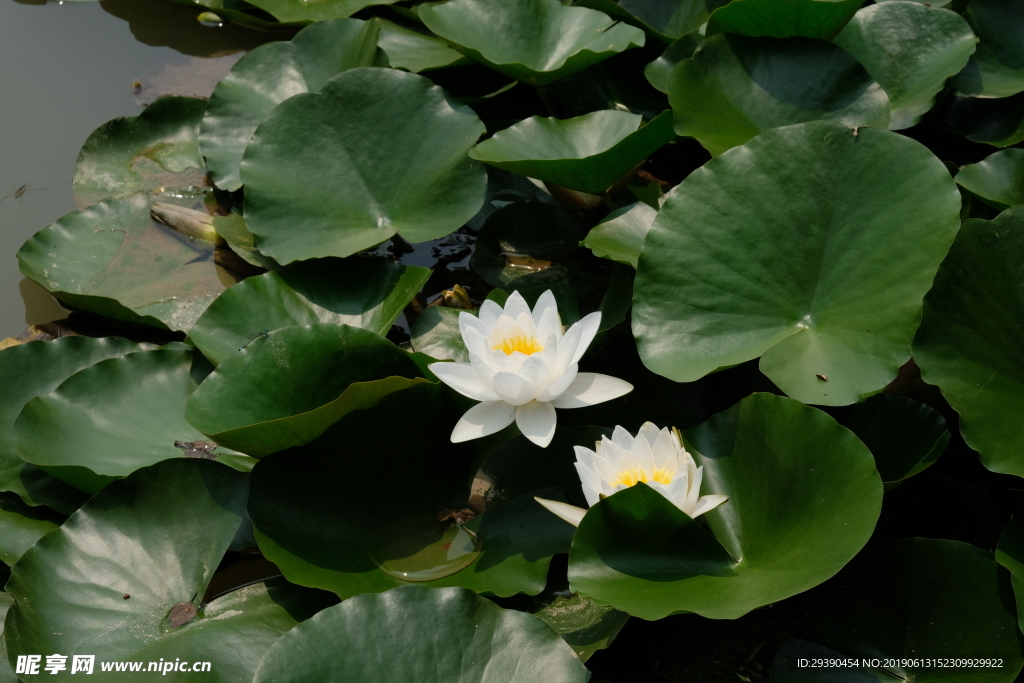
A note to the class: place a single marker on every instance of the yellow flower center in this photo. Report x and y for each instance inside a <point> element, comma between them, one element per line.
<point>631,477</point>
<point>521,343</point>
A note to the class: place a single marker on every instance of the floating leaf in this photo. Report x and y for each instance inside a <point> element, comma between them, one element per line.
<point>970,339</point>
<point>587,153</point>
<point>416,52</point>
<point>620,235</point>
<point>436,333</point>
<point>997,68</point>
<point>666,20</point>
<point>821,19</point>
<point>638,552</point>
<point>114,260</point>
<point>233,230</point>
<point>535,41</point>
<point>365,292</point>
<point>270,74</point>
<point>997,122</point>
<point>21,526</point>
<point>998,180</point>
<point>287,386</point>
<point>658,71</point>
<point>158,148</point>
<point>734,87</point>
<point>314,10</point>
<point>790,248</point>
<point>586,626</point>
<point>392,134</point>
<point>398,636</point>
<point>911,50</point>
<point>109,419</point>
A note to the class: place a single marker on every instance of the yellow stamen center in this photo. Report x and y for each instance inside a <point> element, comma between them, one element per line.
<point>521,343</point>
<point>631,477</point>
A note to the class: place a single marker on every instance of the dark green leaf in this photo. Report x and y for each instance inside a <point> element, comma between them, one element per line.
<point>666,20</point>
<point>658,71</point>
<point>1010,554</point>
<point>621,233</point>
<point>997,122</point>
<point>586,626</point>
<point>821,19</point>
<point>414,51</point>
<point>998,180</point>
<point>21,526</point>
<point>436,333</point>
<point>314,10</point>
<point>997,68</point>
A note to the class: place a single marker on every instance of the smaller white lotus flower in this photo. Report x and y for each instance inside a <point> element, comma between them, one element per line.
<point>522,366</point>
<point>655,457</point>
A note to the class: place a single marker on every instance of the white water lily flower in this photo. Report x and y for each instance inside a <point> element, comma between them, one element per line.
<point>522,366</point>
<point>655,457</point>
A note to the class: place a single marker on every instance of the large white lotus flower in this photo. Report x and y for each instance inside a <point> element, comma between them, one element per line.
<point>655,457</point>
<point>522,366</point>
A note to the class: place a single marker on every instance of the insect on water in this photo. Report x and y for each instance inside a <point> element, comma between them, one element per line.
<point>261,335</point>
<point>21,191</point>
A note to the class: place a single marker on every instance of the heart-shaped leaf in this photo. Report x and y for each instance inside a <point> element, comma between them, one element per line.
<point>997,68</point>
<point>314,10</point>
<point>158,148</point>
<point>270,74</point>
<point>804,496</point>
<point>910,49</point>
<point>397,636</point>
<point>620,235</point>
<point>734,87</point>
<point>998,180</point>
<point>392,134</point>
<point>113,259</point>
<point>288,385</point>
<point>587,153</point>
<point>969,340</point>
<point>535,41</point>
<point>821,19</point>
<point>363,292</point>
<point>790,248</point>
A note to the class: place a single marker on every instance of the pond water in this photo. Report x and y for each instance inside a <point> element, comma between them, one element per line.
<point>68,68</point>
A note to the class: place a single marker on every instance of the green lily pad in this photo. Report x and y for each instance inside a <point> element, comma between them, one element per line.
<point>21,526</point>
<point>586,626</point>
<point>830,306</point>
<point>911,50</point>
<point>114,260</point>
<point>36,369</point>
<point>158,148</point>
<point>911,599</point>
<point>436,333</point>
<point>734,87</point>
<point>659,71</point>
<point>997,122</point>
<point>1010,554</point>
<point>535,41</point>
<point>366,292</point>
<point>368,543</point>
<point>821,19</point>
<point>400,635</point>
<point>620,235</point>
<point>587,153</point>
<point>270,74</point>
<point>235,232</point>
<point>288,385</point>
<point>997,68</point>
<point>393,135</point>
<point>110,419</point>
<point>905,436</point>
<point>416,52</point>
<point>314,10</point>
<point>998,180</point>
<point>105,583</point>
<point>7,674</point>
<point>969,340</point>
<point>638,552</point>
<point>668,21</point>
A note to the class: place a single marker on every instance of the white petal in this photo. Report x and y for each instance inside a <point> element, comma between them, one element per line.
<point>588,329</point>
<point>675,492</point>
<point>515,305</point>
<point>707,503</point>
<point>476,343</point>
<point>467,320</point>
<point>590,482</point>
<point>558,387</point>
<point>535,371</point>
<point>694,492</point>
<point>642,452</point>
<point>489,313</point>
<point>649,432</point>
<point>611,461</point>
<point>483,419</point>
<point>464,379</point>
<point>513,388</point>
<point>622,438</point>
<point>589,388</point>
<point>665,451</point>
<point>569,513</point>
<point>545,302</point>
<point>537,421</point>
<point>549,325</point>
<point>567,345</point>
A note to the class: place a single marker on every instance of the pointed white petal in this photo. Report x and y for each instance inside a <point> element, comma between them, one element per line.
<point>567,345</point>
<point>483,419</point>
<point>569,513</point>
<point>535,371</point>
<point>642,452</point>
<point>476,343</point>
<point>537,421</point>
<point>464,379</point>
<point>548,323</point>
<point>589,388</point>
<point>589,326</point>
<point>707,503</point>
<point>512,388</point>
<point>693,493</point>
<point>467,320</point>
<point>675,492</point>
<point>489,313</point>
<point>622,438</point>
<point>515,305</point>
<point>590,482</point>
<point>545,302</point>
<point>649,433</point>
<point>666,454</point>
<point>558,387</point>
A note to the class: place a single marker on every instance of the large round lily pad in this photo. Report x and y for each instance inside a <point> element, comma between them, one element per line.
<point>821,19</point>
<point>314,10</point>
<point>734,87</point>
<point>587,153</point>
<point>535,41</point>
<point>997,68</point>
<point>374,153</point>
<point>804,496</point>
<point>270,74</point>
<point>910,49</point>
<point>363,292</point>
<point>288,385</point>
<point>400,636</point>
<point>110,419</point>
<point>792,248</point>
<point>157,148</point>
<point>998,180</point>
<point>113,259</point>
<point>970,339</point>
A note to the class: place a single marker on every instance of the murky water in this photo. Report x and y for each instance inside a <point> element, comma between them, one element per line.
<point>67,68</point>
